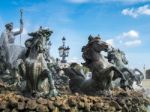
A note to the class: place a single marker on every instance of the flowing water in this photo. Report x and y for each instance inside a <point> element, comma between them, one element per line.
<point>148,109</point>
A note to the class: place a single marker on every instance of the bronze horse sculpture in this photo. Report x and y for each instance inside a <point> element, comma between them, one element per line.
<point>35,67</point>
<point>102,71</point>
<point>118,58</point>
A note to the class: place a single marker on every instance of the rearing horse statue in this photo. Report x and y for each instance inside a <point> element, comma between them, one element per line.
<point>102,71</point>
<point>118,58</point>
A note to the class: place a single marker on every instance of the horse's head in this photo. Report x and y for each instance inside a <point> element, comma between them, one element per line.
<point>123,57</point>
<point>92,51</point>
<point>118,55</point>
<point>97,44</point>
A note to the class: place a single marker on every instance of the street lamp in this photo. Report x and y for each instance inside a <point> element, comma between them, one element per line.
<point>63,51</point>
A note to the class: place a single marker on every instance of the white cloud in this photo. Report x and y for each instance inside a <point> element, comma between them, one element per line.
<point>130,38</point>
<point>132,34</point>
<point>110,42</point>
<point>126,39</point>
<point>133,43</point>
<point>135,12</point>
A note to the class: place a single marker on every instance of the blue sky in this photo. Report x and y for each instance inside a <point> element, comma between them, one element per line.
<point>125,24</point>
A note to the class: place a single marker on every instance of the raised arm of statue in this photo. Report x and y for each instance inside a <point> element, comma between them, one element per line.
<point>21,29</point>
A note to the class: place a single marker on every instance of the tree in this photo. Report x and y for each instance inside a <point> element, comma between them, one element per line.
<point>148,74</point>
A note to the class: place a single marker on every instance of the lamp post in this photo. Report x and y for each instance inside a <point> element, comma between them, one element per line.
<point>64,51</point>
